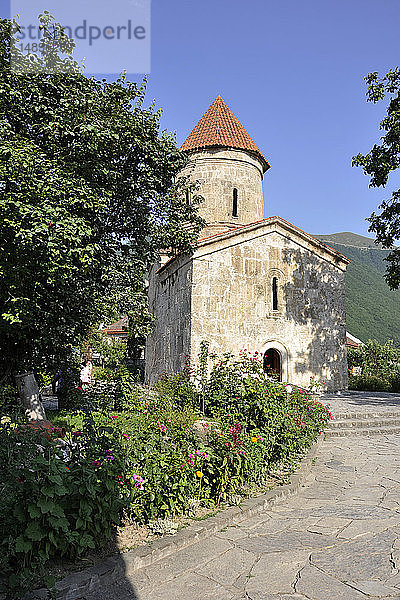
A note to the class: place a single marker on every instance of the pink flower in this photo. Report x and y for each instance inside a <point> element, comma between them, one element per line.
<point>139,481</point>
<point>200,453</point>
<point>161,427</point>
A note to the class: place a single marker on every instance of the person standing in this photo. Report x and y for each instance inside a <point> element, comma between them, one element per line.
<point>86,374</point>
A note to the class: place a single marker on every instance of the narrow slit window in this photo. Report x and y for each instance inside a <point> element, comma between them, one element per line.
<point>235,203</point>
<point>187,197</point>
<point>275,293</point>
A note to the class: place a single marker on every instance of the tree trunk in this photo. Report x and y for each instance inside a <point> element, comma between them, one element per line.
<point>28,391</point>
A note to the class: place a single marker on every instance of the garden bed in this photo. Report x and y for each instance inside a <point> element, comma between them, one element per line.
<point>135,454</point>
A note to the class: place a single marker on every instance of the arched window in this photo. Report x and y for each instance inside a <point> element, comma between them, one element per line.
<point>274,293</point>
<point>235,203</point>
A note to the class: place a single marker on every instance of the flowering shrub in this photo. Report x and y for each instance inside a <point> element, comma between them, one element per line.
<point>144,455</point>
<point>254,422</point>
<point>57,498</point>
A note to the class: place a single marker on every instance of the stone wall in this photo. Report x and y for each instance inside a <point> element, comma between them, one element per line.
<point>232,305</point>
<point>219,171</point>
<point>170,302</point>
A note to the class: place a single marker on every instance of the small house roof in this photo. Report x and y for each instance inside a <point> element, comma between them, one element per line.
<point>120,326</point>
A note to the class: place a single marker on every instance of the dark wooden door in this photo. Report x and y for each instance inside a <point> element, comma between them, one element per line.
<point>272,363</point>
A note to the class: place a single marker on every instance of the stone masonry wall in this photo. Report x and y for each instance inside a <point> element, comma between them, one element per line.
<point>232,305</point>
<point>169,299</point>
<point>219,171</point>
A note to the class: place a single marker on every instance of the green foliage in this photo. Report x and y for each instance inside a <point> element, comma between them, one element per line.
<point>374,358</point>
<point>179,389</point>
<point>119,372</point>
<point>379,163</point>
<point>8,398</point>
<point>371,383</point>
<point>168,456</point>
<point>374,367</point>
<point>156,438</point>
<point>89,193</point>
<point>119,393</point>
<point>113,352</point>
<point>253,421</point>
<point>57,500</point>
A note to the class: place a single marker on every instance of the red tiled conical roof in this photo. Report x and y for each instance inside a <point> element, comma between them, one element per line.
<point>219,127</point>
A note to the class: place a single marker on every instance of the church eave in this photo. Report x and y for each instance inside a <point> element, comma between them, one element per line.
<point>265,164</point>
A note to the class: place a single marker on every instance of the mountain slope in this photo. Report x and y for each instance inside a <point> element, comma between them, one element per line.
<point>373,310</point>
<point>347,238</point>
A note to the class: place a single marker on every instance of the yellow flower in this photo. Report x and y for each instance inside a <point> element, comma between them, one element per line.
<point>5,420</point>
<point>199,474</point>
<point>253,439</point>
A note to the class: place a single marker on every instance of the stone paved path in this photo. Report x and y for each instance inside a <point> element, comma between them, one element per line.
<point>352,402</point>
<point>338,539</point>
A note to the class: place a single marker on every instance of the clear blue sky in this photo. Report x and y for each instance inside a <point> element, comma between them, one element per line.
<point>292,72</point>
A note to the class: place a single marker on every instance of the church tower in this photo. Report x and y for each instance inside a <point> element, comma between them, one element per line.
<point>229,167</point>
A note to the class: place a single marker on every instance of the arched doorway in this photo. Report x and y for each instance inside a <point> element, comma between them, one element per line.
<point>273,363</point>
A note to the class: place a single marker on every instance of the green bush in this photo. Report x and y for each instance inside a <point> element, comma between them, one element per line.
<point>374,367</point>
<point>8,398</point>
<point>57,499</point>
<point>179,389</point>
<point>371,383</point>
<point>115,373</point>
<point>394,380</point>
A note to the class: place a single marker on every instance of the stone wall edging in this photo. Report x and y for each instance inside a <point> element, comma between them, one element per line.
<point>74,586</point>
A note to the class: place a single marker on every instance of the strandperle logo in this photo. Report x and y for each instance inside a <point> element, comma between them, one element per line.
<point>110,35</point>
<point>86,31</point>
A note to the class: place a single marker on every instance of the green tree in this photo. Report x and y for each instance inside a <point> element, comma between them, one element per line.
<point>379,163</point>
<point>89,192</point>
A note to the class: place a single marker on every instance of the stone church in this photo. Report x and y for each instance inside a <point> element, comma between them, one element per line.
<point>252,283</point>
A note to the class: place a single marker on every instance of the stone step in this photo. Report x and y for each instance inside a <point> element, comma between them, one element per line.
<point>367,431</point>
<point>364,423</point>
<point>366,415</point>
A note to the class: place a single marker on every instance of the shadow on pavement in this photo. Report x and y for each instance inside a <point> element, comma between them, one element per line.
<point>366,399</point>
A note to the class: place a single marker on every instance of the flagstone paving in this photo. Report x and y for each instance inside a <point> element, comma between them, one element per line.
<point>337,539</point>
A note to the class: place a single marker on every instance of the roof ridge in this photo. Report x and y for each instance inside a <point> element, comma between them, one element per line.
<point>218,121</point>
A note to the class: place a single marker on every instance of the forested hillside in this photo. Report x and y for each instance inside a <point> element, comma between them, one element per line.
<point>373,310</point>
